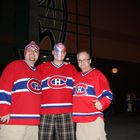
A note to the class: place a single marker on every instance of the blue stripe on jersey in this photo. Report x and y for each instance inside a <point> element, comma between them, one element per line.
<point>81,91</point>
<point>20,85</point>
<point>4,97</point>
<point>44,84</point>
<point>67,84</point>
<point>87,114</point>
<point>27,85</point>
<point>90,91</point>
<point>107,94</point>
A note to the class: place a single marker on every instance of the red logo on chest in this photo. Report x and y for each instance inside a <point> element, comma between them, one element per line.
<point>57,82</point>
<point>34,85</point>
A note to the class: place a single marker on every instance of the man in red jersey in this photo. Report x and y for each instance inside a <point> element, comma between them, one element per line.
<point>56,103</point>
<point>91,97</point>
<point>20,92</point>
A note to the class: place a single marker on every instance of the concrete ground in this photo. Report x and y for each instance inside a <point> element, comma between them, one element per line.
<point>123,126</point>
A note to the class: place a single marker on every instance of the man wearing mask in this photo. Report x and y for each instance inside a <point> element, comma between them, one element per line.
<point>56,104</point>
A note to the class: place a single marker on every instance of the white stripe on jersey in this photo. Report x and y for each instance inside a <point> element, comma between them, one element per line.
<point>24,115</point>
<point>4,91</point>
<point>5,102</point>
<point>21,80</point>
<point>84,114</point>
<point>61,104</point>
<point>20,90</point>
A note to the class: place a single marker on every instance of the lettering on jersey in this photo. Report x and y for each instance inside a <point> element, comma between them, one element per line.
<point>57,82</point>
<point>34,86</point>
<point>81,89</point>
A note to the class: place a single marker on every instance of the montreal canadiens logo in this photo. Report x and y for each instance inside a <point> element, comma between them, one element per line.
<point>57,82</point>
<point>34,86</point>
<point>81,89</point>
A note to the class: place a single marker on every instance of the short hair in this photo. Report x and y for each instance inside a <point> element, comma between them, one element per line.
<point>84,52</point>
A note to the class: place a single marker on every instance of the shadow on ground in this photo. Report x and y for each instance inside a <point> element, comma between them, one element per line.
<point>123,126</point>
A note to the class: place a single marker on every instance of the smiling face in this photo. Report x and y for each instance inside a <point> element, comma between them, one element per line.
<point>84,61</point>
<point>31,53</point>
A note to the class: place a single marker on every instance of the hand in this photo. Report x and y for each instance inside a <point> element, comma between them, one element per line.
<point>98,104</point>
<point>5,118</point>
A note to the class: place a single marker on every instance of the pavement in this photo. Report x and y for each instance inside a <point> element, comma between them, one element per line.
<point>123,126</point>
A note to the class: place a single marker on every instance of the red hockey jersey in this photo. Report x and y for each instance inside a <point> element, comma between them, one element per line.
<point>90,86</point>
<point>57,87</point>
<point>20,92</point>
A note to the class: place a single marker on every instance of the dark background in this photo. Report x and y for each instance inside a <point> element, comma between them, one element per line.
<point>115,41</point>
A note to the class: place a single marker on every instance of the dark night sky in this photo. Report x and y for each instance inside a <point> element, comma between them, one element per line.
<point>115,23</point>
<point>116,29</point>
<point>116,39</point>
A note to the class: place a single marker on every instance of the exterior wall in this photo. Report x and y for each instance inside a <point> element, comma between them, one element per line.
<point>14,32</point>
<point>116,30</point>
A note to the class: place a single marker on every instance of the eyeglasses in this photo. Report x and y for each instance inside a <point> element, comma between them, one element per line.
<point>84,60</point>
